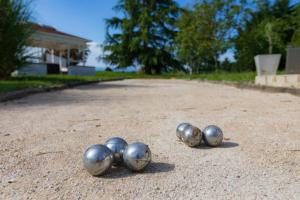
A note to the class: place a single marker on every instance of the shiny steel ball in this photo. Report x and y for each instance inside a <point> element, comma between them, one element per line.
<point>97,159</point>
<point>192,136</point>
<point>137,156</point>
<point>117,146</point>
<point>212,136</point>
<point>180,129</point>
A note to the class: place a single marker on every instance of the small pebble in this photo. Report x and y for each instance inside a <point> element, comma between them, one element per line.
<point>12,181</point>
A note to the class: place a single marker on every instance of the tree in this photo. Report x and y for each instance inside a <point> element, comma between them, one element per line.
<point>206,31</point>
<point>269,28</point>
<point>296,20</point>
<point>142,36</point>
<point>14,34</point>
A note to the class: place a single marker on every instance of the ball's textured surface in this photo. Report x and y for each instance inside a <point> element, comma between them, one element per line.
<point>192,136</point>
<point>213,136</point>
<point>137,156</point>
<point>117,146</point>
<point>180,129</point>
<point>97,159</point>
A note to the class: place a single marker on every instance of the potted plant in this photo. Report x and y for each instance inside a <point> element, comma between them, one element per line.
<point>267,64</point>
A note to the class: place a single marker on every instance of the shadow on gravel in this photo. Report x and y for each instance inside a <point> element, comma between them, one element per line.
<point>153,168</point>
<point>224,145</point>
<point>74,95</point>
<point>104,86</point>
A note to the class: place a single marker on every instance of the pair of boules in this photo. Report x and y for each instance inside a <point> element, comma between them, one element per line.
<point>99,158</point>
<point>135,156</point>
<point>189,134</point>
<point>212,135</point>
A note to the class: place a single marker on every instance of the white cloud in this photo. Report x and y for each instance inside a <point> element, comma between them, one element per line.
<point>95,52</point>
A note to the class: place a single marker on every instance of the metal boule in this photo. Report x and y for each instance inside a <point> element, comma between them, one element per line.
<point>180,129</point>
<point>137,156</point>
<point>117,145</point>
<point>97,159</point>
<point>212,136</point>
<point>192,136</point>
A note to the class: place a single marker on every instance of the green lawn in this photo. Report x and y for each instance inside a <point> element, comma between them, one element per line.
<point>233,77</point>
<point>18,83</point>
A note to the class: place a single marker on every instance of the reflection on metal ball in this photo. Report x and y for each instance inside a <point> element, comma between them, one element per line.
<point>97,159</point>
<point>192,136</point>
<point>137,156</point>
<point>213,136</point>
<point>117,146</point>
<point>180,129</point>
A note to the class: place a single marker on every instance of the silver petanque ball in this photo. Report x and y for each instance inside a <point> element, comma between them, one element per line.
<point>97,159</point>
<point>180,129</point>
<point>137,156</point>
<point>212,136</point>
<point>117,146</point>
<point>192,136</point>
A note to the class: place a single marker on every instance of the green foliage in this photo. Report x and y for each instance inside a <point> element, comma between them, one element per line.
<point>14,33</point>
<point>296,38</point>
<point>271,30</point>
<point>205,32</point>
<point>268,29</point>
<point>143,36</point>
<point>296,20</point>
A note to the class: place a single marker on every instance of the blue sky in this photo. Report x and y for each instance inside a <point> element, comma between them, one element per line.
<point>84,18</point>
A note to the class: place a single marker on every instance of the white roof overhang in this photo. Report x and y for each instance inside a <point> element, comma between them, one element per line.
<point>57,41</point>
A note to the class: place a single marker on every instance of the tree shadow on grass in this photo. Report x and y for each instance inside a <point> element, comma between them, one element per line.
<point>152,168</point>
<point>224,145</point>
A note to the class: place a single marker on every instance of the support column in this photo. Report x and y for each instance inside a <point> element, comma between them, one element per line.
<point>42,58</point>
<point>60,63</point>
<point>68,57</point>
<point>52,56</point>
<point>81,52</point>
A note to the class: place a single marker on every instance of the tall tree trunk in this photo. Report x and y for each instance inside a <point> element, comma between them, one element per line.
<point>148,69</point>
<point>158,69</point>
<point>216,62</point>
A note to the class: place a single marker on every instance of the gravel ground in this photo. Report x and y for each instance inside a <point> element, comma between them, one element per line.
<point>43,137</point>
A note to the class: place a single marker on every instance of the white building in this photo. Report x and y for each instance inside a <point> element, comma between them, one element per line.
<point>53,52</point>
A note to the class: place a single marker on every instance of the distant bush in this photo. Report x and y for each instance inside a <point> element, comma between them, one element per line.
<point>108,69</point>
<point>15,31</point>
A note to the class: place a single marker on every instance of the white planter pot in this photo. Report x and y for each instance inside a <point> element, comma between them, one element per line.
<point>267,64</point>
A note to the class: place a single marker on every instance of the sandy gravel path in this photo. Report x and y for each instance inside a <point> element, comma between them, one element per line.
<point>43,137</point>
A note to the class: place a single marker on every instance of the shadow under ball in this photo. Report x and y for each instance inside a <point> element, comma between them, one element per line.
<point>137,156</point>
<point>180,129</point>
<point>117,145</point>
<point>97,159</point>
<point>192,136</point>
<point>212,136</point>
